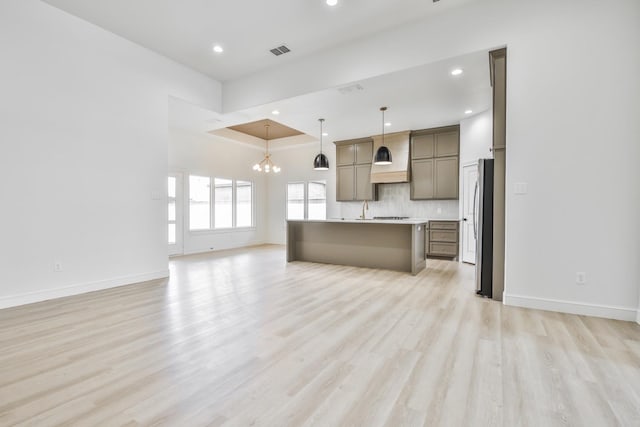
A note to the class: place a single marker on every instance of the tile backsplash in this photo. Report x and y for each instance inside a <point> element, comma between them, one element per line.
<point>393,200</point>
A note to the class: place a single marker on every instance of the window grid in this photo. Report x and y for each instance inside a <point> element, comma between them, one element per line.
<point>223,199</point>
<point>171,212</point>
<point>307,200</point>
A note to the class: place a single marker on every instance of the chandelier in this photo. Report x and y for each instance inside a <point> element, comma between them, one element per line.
<point>266,164</point>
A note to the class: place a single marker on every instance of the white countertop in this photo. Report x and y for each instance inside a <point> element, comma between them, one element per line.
<point>410,221</point>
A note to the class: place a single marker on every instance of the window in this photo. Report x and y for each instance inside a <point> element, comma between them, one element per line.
<point>199,202</point>
<point>171,215</point>
<point>317,200</point>
<point>232,203</point>
<point>223,197</point>
<point>295,200</point>
<point>307,200</point>
<point>244,204</point>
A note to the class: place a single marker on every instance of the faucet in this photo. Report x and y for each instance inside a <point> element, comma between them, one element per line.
<point>365,205</point>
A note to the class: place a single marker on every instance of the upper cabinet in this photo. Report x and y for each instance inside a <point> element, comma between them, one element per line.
<point>353,171</point>
<point>354,153</point>
<point>435,163</point>
<point>345,155</point>
<point>364,153</point>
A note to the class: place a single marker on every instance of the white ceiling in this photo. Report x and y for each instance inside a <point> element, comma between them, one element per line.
<point>186,30</point>
<point>417,98</point>
<point>421,97</point>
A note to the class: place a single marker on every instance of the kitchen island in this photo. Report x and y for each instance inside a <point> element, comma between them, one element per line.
<point>388,244</point>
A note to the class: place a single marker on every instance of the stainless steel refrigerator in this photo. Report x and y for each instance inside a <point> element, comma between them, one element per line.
<point>483,227</point>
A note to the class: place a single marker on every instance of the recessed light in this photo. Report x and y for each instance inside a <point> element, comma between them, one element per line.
<point>275,112</point>
<point>218,49</point>
<point>456,72</point>
<point>332,2</point>
<point>468,111</point>
<point>387,124</point>
<point>325,134</point>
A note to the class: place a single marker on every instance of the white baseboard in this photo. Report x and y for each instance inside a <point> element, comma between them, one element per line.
<point>81,288</point>
<point>638,317</point>
<point>596,310</point>
<point>220,249</point>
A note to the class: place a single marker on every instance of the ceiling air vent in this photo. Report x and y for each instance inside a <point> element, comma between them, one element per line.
<point>346,90</point>
<point>277,51</point>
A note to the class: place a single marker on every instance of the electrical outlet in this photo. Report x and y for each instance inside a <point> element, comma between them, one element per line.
<point>581,278</point>
<point>520,188</point>
<point>57,267</point>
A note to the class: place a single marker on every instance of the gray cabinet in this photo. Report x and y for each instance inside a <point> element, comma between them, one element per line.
<point>364,153</point>
<point>435,163</point>
<point>446,143</point>
<point>345,155</point>
<point>353,171</point>
<point>446,178</point>
<point>345,182</point>
<point>442,239</point>
<point>422,179</point>
<point>363,187</point>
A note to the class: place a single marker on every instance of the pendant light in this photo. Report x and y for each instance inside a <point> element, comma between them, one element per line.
<point>266,164</point>
<point>383,155</point>
<point>321,163</point>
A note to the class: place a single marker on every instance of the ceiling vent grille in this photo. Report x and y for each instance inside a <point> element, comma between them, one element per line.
<point>277,51</point>
<point>346,90</point>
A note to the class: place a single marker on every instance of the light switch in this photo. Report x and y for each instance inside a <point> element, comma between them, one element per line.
<point>520,188</point>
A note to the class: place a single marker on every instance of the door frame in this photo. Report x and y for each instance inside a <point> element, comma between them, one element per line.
<point>177,248</point>
<point>463,187</point>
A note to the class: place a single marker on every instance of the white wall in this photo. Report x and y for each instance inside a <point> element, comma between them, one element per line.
<point>572,135</point>
<point>83,130</point>
<point>208,155</point>
<point>573,99</point>
<point>476,133</point>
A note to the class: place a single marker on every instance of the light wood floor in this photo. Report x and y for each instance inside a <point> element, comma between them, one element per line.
<point>241,338</point>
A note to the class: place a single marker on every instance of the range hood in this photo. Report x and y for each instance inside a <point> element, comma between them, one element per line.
<point>398,171</point>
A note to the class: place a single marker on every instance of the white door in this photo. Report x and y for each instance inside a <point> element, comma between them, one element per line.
<point>469,180</point>
<point>174,214</point>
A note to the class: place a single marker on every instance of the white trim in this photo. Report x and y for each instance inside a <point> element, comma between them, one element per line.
<point>230,248</point>
<point>81,288</point>
<point>226,230</point>
<point>638,317</point>
<point>596,310</point>
<point>471,163</point>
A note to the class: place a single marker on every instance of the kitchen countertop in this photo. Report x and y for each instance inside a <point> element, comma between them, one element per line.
<point>409,221</point>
